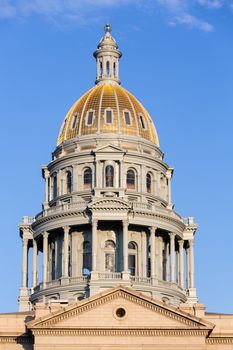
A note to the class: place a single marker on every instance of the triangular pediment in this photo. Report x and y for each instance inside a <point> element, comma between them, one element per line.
<point>109,204</point>
<point>100,312</point>
<point>109,148</point>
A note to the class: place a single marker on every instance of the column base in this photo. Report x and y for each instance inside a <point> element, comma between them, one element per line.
<point>23,300</point>
<point>192,296</point>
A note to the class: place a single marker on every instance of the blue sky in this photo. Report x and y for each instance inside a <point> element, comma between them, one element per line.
<point>177,60</point>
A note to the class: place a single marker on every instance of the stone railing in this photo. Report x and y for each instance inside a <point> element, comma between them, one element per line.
<point>109,275</point>
<point>139,280</point>
<point>61,281</point>
<point>62,207</point>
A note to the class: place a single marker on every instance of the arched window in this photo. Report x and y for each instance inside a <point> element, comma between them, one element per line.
<point>86,258</point>
<point>148,183</point>
<point>114,68</point>
<point>108,68</point>
<point>109,176</point>
<point>132,257</point>
<point>110,256</point>
<point>68,182</point>
<point>130,179</point>
<point>54,186</point>
<point>87,179</point>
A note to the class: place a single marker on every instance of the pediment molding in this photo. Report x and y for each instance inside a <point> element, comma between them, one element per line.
<point>184,320</point>
<point>109,204</point>
<point>109,148</point>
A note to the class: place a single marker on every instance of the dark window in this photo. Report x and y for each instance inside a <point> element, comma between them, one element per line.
<point>108,117</point>
<point>142,122</point>
<point>87,179</point>
<point>54,186</point>
<point>63,126</point>
<point>109,175</point>
<point>110,244</point>
<point>90,117</point>
<point>132,245</point>
<point>132,263</point>
<point>68,182</point>
<point>101,69</point>
<point>107,68</point>
<point>114,69</point>
<point>127,118</point>
<point>74,121</point>
<point>120,312</point>
<point>86,258</point>
<point>148,183</point>
<point>130,179</point>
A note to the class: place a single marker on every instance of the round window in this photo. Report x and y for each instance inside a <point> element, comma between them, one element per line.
<point>120,312</point>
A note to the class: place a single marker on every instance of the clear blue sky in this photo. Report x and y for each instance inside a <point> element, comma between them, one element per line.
<point>177,60</point>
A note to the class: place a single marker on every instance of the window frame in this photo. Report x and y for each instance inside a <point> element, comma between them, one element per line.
<point>91,178</point>
<point>72,123</point>
<point>143,122</point>
<point>135,179</point>
<point>130,117</point>
<point>105,116</point>
<point>87,116</point>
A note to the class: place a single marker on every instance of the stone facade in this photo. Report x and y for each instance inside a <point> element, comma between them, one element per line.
<point>118,261</point>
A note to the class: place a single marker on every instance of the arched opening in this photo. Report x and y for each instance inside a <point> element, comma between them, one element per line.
<point>107,68</point>
<point>131,179</point>
<point>87,179</point>
<point>68,182</point>
<point>114,69</point>
<point>148,183</point>
<point>101,69</point>
<point>110,256</point>
<point>109,176</point>
<point>132,257</point>
<point>86,258</point>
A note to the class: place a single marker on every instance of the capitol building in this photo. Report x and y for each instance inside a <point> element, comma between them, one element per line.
<point>116,260</point>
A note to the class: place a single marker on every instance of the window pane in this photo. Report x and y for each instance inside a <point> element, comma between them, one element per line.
<point>142,122</point>
<point>87,179</point>
<point>90,118</point>
<point>109,117</point>
<point>130,179</point>
<point>69,182</point>
<point>148,183</point>
<point>131,262</point>
<point>109,175</point>
<point>127,118</point>
<point>74,122</point>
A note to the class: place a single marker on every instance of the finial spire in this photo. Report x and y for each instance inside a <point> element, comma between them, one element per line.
<point>107,58</point>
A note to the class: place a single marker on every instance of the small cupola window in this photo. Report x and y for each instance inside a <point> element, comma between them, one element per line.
<point>127,118</point>
<point>74,121</point>
<point>108,116</point>
<point>90,118</point>
<point>142,121</point>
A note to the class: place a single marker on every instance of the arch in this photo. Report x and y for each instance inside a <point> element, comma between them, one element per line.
<point>87,179</point>
<point>109,176</point>
<point>148,183</point>
<point>131,179</point>
<point>68,181</point>
<point>86,258</point>
<point>110,256</point>
<point>132,257</point>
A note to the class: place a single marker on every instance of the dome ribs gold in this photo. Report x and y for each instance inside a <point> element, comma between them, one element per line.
<point>99,99</point>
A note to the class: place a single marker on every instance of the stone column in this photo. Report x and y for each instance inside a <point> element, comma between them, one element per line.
<point>45,258</point>
<point>160,258</point>
<point>152,252</point>
<point>66,230</point>
<point>166,247</point>
<point>25,264</point>
<point>181,263</point>
<point>191,245</point>
<point>46,177</point>
<point>125,246</point>
<point>172,256</point>
<point>94,244</point>
<point>35,265</point>
<point>169,175</point>
<point>187,267</point>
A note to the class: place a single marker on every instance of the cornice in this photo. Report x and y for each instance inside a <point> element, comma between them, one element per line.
<point>16,340</point>
<point>219,340</point>
<point>119,332</point>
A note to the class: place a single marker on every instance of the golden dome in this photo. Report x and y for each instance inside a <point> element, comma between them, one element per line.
<point>108,108</point>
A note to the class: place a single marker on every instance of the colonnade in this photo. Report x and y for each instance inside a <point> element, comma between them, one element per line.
<point>166,257</point>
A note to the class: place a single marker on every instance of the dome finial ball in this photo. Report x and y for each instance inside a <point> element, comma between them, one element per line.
<point>107,28</point>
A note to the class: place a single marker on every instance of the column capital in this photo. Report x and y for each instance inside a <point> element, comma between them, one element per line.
<point>95,222</point>
<point>181,243</point>
<point>152,229</point>
<point>25,240</point>
<point>191,242</point>
<point>66,229</point>
<point>45,234</point>
<point>171,235</point>
<point>125,222</point>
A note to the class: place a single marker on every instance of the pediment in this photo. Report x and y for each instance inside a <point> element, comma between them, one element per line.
<point>141,313</point>
<point>109,204</point>
<point>109,148</point>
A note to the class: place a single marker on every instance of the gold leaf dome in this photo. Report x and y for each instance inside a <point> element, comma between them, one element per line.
<point>108,108</point>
